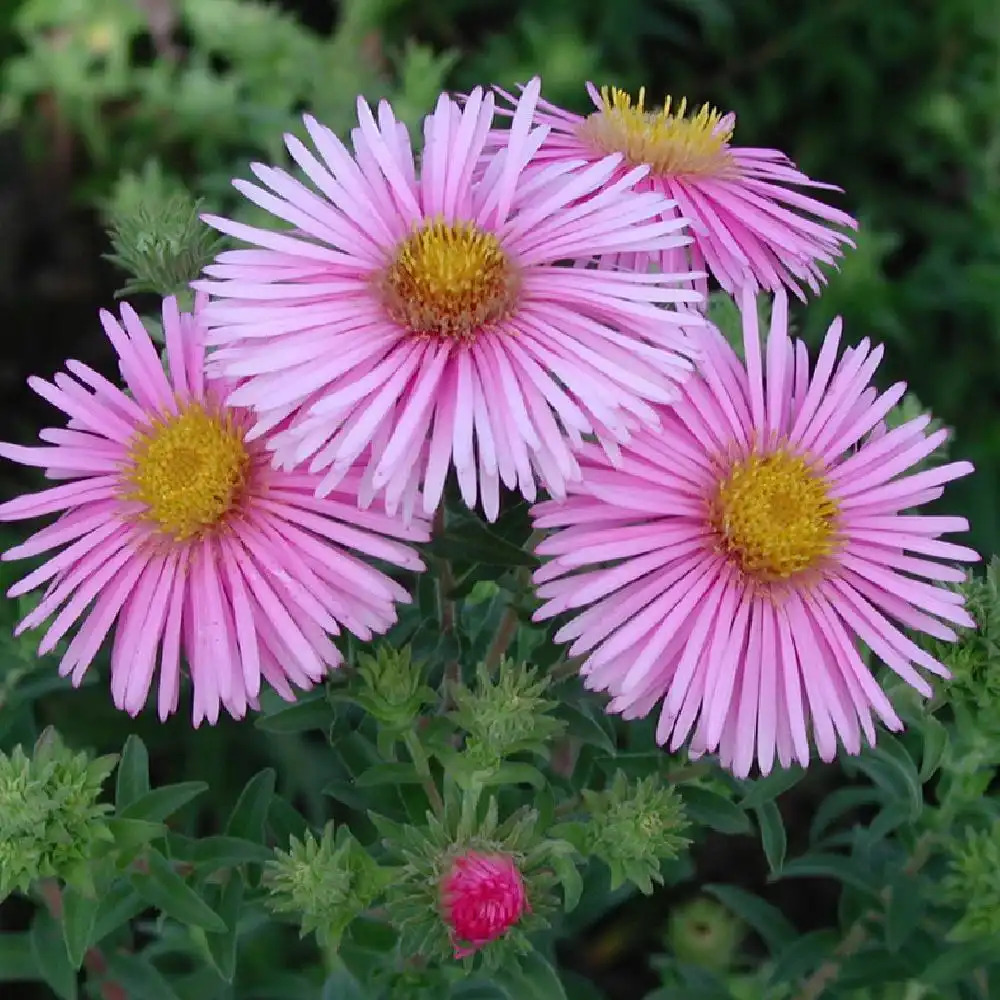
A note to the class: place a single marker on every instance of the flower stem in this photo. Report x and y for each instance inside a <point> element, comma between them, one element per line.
<point>422,764</point>
<point>446,607</point>
<point>505,633</point>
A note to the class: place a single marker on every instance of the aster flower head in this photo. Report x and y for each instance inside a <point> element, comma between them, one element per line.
<point>750,223</point>
<point>175,530</point>
<point>419,321</point>
<point>482,896</point>
<point>728,567</point>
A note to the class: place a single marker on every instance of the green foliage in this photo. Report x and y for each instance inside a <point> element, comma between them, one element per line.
<point>51,822</point>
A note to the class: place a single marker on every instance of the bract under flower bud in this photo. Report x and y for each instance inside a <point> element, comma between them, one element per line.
<point>51,823</point>
<point>482,896</point>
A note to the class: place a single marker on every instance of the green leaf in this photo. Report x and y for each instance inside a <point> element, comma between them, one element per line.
<point>139,978</point>
<point>17,958</point>
<point>569,878</point>
<point>836,804</point>
<point>388,774</point>
<point>131,834</point>
<point>772,834</point>
<point>133,773</point>
<point>515,774</point>
<point>531,977</point>
<point>285,820</point>
<point>471,541</point>
<point>581,724</point>
<point>904,911</point>
<point>890,767</point>
<point>802,956</point>
<point>209,854</point>
<point>250,812</point>
<point>835,866</point>
<point>935,744</point>
<point>156,805</point>
<point>341,985</point>
<point>49,951</point>
<point>767,920</point>
<point>714,810</point>
<point>163,888</point>
<point>117,906</point>
<point>222,947</point>
<point>767,789</point>
<point>957,960</point>
<point>311,712</point>
<point>79,914</point>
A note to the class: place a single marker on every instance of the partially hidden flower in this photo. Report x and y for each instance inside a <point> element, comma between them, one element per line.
<point>175,530</point>
<point>482,896</point>
<point>419,321</point>
<point>729,566</point>
<point>749,221</point>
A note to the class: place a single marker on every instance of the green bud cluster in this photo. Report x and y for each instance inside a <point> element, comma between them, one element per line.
<point>632,826</point>
<point>393,689</point>
<point>51,824</point>
<point>324,883</point>
<point>973,883</point>
<point>505,715</point>
<point>157,235</point>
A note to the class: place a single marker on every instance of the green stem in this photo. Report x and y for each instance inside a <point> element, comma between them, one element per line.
<point>423,766</point>
<point>505,633</point>
<point>446,608</point>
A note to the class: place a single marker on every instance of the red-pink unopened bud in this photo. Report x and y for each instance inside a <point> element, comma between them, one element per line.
<point>481,896</point>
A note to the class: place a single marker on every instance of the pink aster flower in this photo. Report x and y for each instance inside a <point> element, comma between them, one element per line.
<point>416,322</point>
<point>729,566</point>
<point>749,222</point>
<point>482,897</point>
<point>174,529</point>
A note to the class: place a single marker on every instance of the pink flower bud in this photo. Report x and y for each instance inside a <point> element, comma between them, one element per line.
<point>481,897</point>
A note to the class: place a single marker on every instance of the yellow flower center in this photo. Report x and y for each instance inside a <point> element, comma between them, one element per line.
<point>449,281</point>
<point>189,470</point>
<point>669,141</point>
<point>774,516</point>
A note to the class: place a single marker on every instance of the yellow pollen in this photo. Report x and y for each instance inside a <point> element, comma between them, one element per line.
<point>189,469</point>
<point>449,281</point>
<point>774,516</point>
<point>671,143</point>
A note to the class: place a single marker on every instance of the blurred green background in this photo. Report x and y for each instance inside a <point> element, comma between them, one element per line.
<point>896,101</point>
